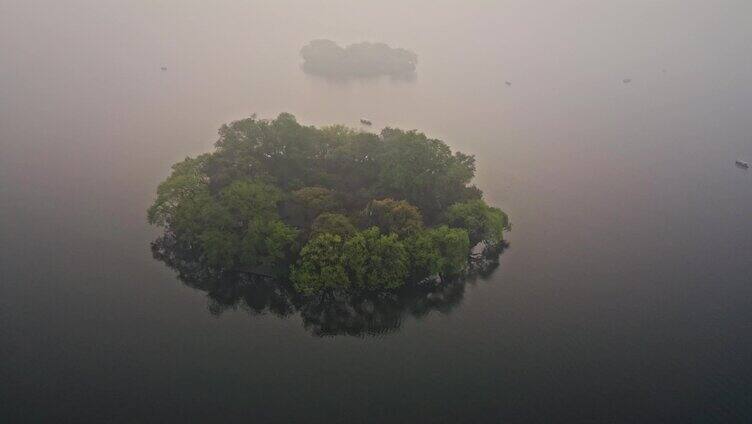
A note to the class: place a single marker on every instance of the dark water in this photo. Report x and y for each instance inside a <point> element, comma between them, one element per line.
<point>626,293</point>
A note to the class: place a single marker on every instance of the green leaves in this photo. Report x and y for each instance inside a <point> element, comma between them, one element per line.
<point>316,200</point>
<point>441,251</point>
<point>322,265</point>
<point>266,243</point>
<point>248,200</point>
<point>482,222</point>
<point>393,216</point>
<point>220,248</point>
<point>368,260</point>
<point>332,223</point>
<point>453,246</point>
<point>187,180</point>
<point>423,171</point>
<point>272,185</point>
<point>376,261</point>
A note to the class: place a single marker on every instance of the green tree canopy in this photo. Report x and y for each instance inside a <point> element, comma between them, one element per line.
<point>482,222</point>
<point>441,251</point>
<point>333,223</point>
<point>424,172</point>
<point>322,265</point>
<point>393,216</point>
<point>316,200</point>
<point>186,181</point>
<point>248,200</point>
<point>453,245</point>
<point>280,198</point>
<point>374,260</point>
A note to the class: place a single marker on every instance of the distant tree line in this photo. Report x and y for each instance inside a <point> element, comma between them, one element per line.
<point>328,208</point>
<point>326,58</point>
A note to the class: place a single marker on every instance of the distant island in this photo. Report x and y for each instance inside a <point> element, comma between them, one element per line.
<point>362,60</point>
<point>328,209</point>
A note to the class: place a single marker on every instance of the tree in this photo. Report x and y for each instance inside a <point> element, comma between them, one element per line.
<point>252,206</point>
<point>482,222</point>
<point>266,244</point>
<point>376,261</point>
<point>423,171</point>
<point>195,215</point>
<point>322,265</point>
<point>316,200</point>
<point>453,246</point>
<point>248,200</point>
<point>279,151</point>
<point>348,164</point>
<point>393,216</point>
<point>326,58</point>
<point>333,223</point>
<point>220,248</point>
<point>441,251</point>
<point>187,180</point>
<point>424,255</point>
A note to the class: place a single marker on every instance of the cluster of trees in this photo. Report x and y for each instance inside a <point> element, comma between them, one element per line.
<point>328,208</point>
<point>326,58</point>
<point>357,313</point>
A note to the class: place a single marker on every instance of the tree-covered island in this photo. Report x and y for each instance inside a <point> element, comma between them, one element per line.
<point>328,208</point>
<point>326,58</point>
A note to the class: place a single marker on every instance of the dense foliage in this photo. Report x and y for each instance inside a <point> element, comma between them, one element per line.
<point>326,58</point>
<point>328,208</point>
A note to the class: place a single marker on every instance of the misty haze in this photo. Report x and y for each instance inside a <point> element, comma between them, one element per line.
<point>331,211</point>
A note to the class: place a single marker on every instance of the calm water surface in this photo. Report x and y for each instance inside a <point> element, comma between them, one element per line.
<point>626,294</point>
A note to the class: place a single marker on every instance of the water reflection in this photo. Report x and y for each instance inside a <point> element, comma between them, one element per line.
<point>345,77</point>
<point>352,313</point>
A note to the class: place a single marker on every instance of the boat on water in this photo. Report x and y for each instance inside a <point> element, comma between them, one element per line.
<point>742,164</point>
<point>365,122</point>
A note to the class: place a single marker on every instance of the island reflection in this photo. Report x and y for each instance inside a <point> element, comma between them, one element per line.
<point>329,313</point>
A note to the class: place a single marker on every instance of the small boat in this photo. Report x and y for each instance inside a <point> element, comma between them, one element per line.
<point>509,84</point>
<point>742,164</point>
<point>365,122</point>
<point>164,68</point>
<point>626,80</point>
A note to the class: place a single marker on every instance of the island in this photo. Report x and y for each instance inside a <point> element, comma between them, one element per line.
<point>326,210</point>
<point>326,58</point>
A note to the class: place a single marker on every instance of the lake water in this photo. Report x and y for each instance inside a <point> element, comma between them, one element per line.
<point>625,295</point>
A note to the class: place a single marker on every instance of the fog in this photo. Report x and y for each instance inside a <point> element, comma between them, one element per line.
<point>81,82</point>
<point>624,294</point>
